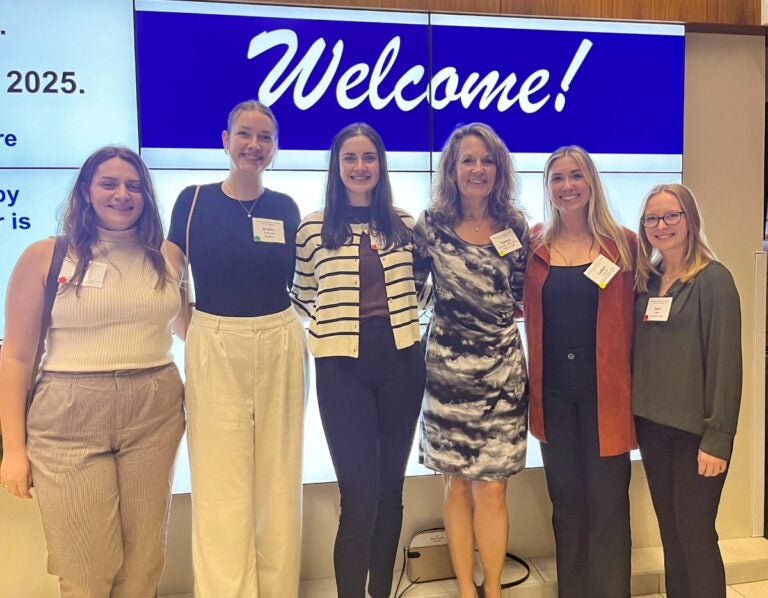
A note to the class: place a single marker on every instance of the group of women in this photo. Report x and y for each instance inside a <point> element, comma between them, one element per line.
<point>623,334</point>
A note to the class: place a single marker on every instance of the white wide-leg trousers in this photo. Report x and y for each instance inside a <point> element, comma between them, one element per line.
<point>246,393</point>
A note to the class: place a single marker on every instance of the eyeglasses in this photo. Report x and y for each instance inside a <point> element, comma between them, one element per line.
<point>670,218</point>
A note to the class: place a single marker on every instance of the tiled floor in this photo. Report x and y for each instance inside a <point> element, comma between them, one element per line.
<point>746,563</point>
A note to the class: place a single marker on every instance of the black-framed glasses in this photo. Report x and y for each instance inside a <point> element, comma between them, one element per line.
<point>670,218</point>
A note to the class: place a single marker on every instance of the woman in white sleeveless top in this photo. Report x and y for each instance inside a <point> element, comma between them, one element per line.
<point>101,435</point>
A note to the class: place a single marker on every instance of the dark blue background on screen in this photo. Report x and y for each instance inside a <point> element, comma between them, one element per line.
<point>627,96</point>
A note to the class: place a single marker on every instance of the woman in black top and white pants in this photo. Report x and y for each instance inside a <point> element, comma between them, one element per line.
<point>246,372</point>
<point>354,281</point>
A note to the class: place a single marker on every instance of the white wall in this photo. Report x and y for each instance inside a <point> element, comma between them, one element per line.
<point>723,163</point>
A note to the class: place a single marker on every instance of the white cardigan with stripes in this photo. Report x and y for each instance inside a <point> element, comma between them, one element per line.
<point>326,289</point>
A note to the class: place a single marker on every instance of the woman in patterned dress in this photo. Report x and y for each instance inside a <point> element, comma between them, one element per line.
<point>473,241</point>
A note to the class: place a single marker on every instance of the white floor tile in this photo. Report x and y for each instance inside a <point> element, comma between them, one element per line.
<point>746,559</point>
<point>755,589</point>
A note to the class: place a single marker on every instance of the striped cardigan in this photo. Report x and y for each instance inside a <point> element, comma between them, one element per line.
<point>326,289</point>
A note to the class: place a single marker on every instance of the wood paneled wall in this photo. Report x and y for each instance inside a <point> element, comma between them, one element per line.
<point>723,12</point>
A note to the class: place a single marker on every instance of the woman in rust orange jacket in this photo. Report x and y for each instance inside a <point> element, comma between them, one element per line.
<point>578,299</point>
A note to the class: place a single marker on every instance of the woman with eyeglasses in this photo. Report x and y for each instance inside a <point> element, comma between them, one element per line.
<point>578,300</point>
<point>686,385</point>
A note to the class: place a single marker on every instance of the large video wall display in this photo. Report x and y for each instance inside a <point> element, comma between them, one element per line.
<point>160,76</point>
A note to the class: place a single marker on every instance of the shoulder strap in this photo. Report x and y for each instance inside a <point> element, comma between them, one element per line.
<point>51,288</point>
<point>189,222</point>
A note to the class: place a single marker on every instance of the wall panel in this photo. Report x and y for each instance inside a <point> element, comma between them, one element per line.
<point>725,12</point>
<point>476,6</point>
<point>560,8</point>
<point>656,10</point>
<point>738,12</point>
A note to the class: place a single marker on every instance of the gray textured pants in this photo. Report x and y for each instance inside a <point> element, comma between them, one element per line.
<point>102,447</point>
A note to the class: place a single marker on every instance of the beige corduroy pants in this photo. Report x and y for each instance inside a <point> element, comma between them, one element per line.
<point>102,447</point>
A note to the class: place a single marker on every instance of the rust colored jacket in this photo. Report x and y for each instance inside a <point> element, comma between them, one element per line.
<point>614,348</point>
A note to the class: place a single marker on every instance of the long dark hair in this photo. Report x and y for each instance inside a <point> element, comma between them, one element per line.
<point>79,222</point>
<point>384,219</point>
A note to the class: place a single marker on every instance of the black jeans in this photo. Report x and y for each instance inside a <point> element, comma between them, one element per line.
<point>686,506</point>
<point>369,407</point>
<point>589,493</point>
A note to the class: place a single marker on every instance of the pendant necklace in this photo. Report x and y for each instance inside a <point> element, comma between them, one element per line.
<point>672,277</point>
<point>476,223</point>
<point>248,211</point>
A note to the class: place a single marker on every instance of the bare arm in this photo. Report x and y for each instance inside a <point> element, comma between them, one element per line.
<point>23,310</point>
<point>181,268</point>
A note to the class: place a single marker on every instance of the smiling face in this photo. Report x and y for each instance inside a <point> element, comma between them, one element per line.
<point>251,142</point>
<point>359,169</point>
<point>667,238</point>
<point>475,170</point>
<point>567,186</point>
<point>116,195</point>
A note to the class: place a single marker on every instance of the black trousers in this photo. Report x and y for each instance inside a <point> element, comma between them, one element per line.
<point>686,506</point>
<point>589,493</point>
<point>369,407</point>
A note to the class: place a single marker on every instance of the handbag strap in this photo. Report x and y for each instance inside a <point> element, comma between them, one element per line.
<point>189,221</point>
<point>51,288</point>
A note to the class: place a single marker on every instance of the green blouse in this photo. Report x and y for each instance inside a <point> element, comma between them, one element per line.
<point>687,371</point>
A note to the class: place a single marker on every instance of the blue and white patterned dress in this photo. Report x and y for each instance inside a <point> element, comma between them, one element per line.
<point>475,415</point>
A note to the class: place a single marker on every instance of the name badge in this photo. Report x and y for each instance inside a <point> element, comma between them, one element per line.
<point>658,309</point>
<point>94,275</point>
<point>266,230</point>
<point>601,271</point>
<point>505,242</point>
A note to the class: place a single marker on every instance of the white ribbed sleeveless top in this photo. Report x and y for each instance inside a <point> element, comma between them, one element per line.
<point>125,324</point>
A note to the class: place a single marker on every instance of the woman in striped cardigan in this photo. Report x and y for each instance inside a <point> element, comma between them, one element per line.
<point>354,281</point>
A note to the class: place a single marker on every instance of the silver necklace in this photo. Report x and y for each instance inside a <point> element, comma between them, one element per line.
<point>242,202</point>
<point>248,211</point>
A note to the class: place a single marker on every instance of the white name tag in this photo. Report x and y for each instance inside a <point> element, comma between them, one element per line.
<point>505,241</point>
<point>266,230</point>
<point>658,309</point>
<point>601,271</point>
<point>94,275</point>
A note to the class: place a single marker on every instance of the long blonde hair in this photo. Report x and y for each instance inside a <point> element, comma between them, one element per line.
<point>600,221</point>
<point>697,253</point>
